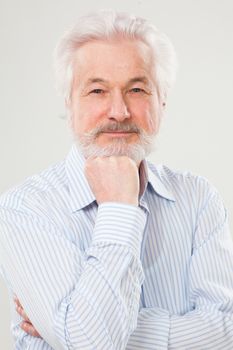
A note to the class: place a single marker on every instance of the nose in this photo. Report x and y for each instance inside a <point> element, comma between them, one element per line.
<point>118,109</point>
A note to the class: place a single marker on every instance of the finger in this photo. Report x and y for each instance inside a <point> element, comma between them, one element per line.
<point>17,302</point>
<point>22,313</point>
<point>28,328</point>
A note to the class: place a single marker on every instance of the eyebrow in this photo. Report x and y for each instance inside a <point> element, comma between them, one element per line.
<point>139,79</point>
<point>96,80</point>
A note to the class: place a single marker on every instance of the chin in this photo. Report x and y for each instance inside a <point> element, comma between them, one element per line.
<point>132,150</point>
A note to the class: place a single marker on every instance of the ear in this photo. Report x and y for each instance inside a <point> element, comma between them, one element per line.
<point>164,102</point>
<point>163,106</point>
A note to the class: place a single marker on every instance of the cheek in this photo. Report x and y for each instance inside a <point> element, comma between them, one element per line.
<point>86,116</point>
<point>146,116</point>
<point>154,119</point>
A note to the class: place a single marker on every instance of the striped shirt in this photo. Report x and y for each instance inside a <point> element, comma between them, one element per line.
<point>118,276</point>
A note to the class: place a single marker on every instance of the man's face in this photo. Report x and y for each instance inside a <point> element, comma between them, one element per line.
<point>114,99</point>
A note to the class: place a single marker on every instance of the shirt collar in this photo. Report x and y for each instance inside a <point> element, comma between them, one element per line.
<point>81,193</point>
<point>154,178</point>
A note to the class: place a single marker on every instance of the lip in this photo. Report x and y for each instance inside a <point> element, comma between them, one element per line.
<point>118,133</point>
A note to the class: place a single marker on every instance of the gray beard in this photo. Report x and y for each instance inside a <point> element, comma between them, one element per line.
<point>118,147</point>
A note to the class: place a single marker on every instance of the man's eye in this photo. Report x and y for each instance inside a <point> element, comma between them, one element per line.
<point>137,90</point>
<point>97,91</point>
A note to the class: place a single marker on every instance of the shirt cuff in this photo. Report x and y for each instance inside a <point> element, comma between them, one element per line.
<point>121,224</point>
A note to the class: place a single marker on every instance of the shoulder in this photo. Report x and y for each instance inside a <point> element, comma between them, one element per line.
<point>185,183</point>
<point>48,183</point>
<point>193,193</point>
<point>196,195</point>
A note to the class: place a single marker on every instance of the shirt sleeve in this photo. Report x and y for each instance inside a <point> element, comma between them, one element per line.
<point>76,300</point>
<point>209,323</point>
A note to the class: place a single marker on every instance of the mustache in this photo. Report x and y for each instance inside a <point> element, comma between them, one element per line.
<point>109,127</point>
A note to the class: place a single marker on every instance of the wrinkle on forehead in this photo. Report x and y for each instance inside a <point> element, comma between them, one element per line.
<point>132,57</point>
<point>137,79</point>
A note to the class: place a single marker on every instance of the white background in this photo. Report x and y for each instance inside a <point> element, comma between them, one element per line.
<point>196,133</point>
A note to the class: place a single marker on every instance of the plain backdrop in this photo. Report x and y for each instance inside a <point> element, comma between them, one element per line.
<point>196,133</point>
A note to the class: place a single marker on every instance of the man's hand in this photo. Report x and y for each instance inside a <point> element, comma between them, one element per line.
<point>26,325</point>
<point>113,179</point>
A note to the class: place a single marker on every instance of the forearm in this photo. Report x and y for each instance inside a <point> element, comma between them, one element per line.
<point>101,311</point>
<point>197,330</point>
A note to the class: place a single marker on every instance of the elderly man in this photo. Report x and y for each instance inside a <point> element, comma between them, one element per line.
<point>105,250</point>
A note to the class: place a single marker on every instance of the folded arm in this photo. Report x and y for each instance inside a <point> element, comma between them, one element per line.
<point>210,324</point>
<point>81,299</point>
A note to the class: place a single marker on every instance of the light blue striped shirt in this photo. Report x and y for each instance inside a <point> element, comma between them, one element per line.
<point>116,276</point>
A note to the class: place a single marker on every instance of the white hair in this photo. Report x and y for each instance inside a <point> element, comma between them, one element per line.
<point>106,25</point>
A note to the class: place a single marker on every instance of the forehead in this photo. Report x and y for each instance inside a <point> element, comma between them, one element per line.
<point>112,60</point>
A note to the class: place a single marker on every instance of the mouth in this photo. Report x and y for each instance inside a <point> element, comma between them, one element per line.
<point>118,133</point>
